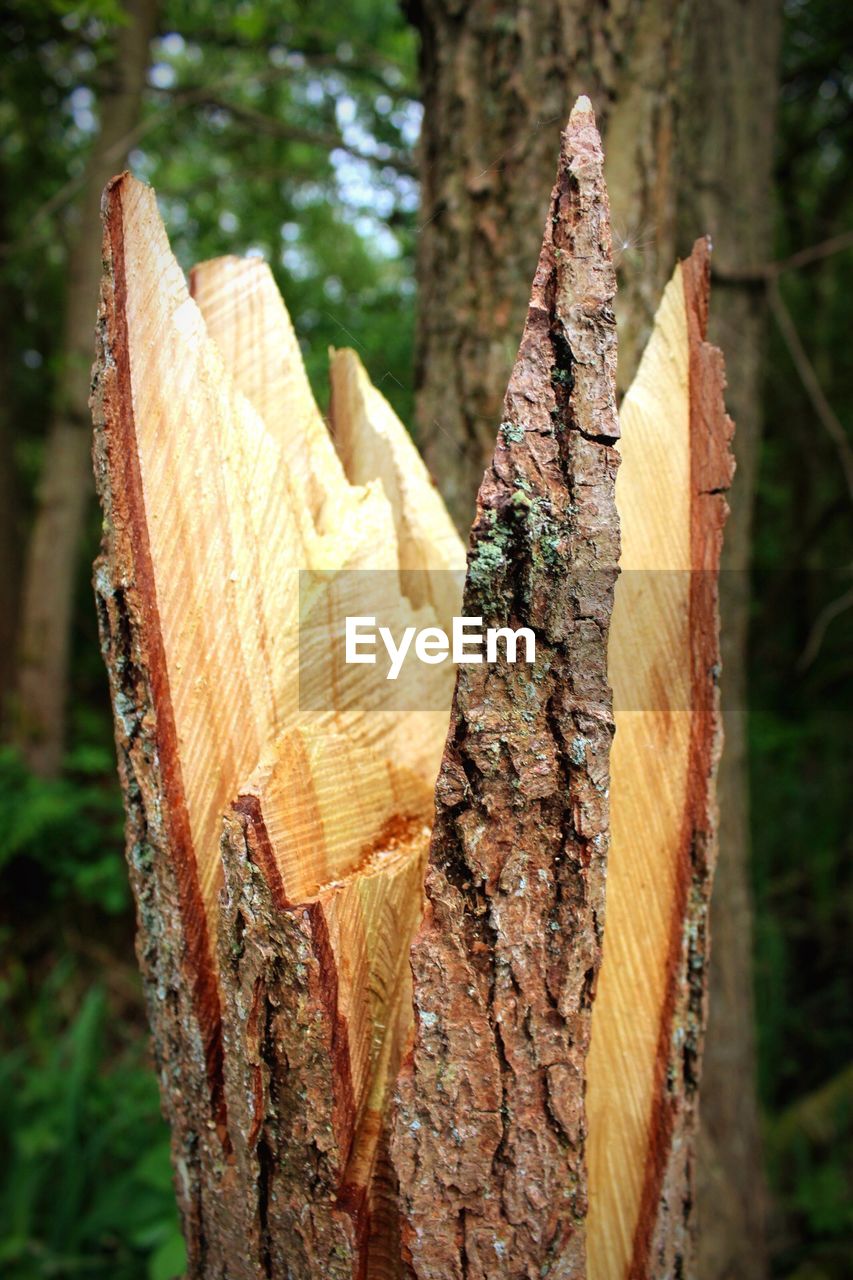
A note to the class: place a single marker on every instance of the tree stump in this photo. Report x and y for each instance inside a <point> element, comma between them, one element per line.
<point>480,1107</point>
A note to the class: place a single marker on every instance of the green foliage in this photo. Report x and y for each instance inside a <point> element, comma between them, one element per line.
<point>68,830</point>
<point>242,120</point>
<point>85,1182</point>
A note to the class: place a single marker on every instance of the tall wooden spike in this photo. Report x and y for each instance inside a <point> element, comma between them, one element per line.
<point>246,318</point>
<point>489,1139</point>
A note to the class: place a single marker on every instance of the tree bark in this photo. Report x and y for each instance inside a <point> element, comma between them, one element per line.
<point>685,96</point>
<point>10,566</point>
<point>50,571</point>
<point>498,80</point>
<point>489,1137</point>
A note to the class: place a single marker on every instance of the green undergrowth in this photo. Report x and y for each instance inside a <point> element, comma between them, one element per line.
<point>85,1178</point>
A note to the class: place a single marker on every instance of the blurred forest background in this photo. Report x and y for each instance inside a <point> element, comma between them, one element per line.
<point>394,169</point>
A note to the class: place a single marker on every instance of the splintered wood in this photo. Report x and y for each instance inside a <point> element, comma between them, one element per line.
<point>220,483</point>
<point>479,1103</point>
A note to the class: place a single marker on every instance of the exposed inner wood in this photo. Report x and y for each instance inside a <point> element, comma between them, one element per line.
<point>371,443</point>
<point>221,483</point>
<point>226,517</point>
<point>247,320</point>
<point>648,1014</point>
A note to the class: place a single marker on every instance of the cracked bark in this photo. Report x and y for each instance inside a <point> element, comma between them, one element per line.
<point>489,1136</point>
<point>318,1195</point>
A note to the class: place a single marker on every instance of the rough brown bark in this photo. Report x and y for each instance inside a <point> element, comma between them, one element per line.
<point>498,80</point>
<point>50,571</point>
<point>10,559</point>
<point>317,1196</point>
<point>489,1137</point>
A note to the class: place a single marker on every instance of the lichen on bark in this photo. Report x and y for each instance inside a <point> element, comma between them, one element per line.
<point>489,1131</point>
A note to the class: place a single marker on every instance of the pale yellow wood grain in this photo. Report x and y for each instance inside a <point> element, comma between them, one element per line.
<point>231,522</point>
<point>374,444</point>
<point>351,508</point>
<point>649,667</point>
<point>246,318</point>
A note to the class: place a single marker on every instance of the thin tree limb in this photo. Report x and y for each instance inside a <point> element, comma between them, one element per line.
<point>804,367</point>
<point>820,627</point>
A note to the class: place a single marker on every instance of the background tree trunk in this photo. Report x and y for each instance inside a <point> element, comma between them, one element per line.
<point>10,567</point>
<point>497,82</point>
<point>725,146</point>
<point>685,99</point>
<point>66,482</point>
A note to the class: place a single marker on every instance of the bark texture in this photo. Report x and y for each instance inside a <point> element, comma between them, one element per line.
<point>10,558</point>
<point>489,1135</point>
<point>50,570</point>
<point>498,82</point>
<point>315,1195</point>
<point>289,1107</point>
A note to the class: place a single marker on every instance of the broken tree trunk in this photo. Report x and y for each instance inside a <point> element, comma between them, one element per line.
<point>336,1113</point>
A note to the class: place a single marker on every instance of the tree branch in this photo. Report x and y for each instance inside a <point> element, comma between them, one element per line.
<point>802,258</point>
<point>804,367</point>
<point>330,141</point>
